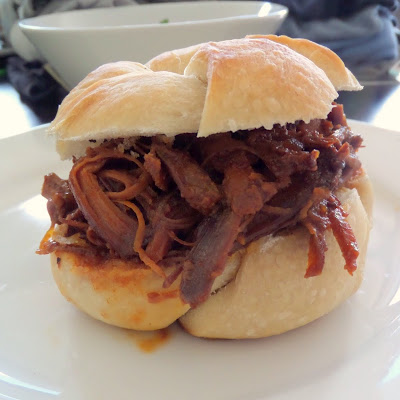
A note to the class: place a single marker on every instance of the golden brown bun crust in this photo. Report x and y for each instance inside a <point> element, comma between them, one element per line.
<point>173,61</point>
<point>209,88</point>
<point>264,291</point>
<point>322,57</point>
<point>263,84</point>
<point>123,100</point>
<point>270,295</point>
<point>116,292</point>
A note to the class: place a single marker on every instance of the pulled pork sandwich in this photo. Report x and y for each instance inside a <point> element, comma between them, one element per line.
<point>218,185</point>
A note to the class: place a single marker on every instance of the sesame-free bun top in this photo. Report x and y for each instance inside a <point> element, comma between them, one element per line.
<point>209,88</point>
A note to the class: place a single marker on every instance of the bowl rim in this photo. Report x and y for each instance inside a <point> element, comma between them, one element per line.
<point>30,24</point>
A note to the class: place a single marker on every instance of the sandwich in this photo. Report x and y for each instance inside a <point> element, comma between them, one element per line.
<point>217,185</point>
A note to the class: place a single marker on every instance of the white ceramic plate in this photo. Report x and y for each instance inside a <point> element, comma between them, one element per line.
<point>50,350</point>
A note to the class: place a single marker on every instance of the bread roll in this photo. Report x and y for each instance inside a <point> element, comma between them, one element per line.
<point>206,89</point>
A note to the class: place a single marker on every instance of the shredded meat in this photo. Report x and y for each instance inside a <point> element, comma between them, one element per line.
<point>109,222</point>
<point>172,214</point>
<point>215,237</point>
<point>246,191</point>
<point>60,200</point>
<point>195,185</point>
<point>153,165</point>
<point>186,205</point>
<point>343,234</point>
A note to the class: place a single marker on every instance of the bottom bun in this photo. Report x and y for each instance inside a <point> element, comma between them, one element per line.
<point>262,291</point>
<point>270,295</point>
<point>117,292</point>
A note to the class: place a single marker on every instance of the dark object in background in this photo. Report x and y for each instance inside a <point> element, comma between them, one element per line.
<point>361,32</point>
<point>307,10</point>
<point>35,86</point>
<point>30,79</point>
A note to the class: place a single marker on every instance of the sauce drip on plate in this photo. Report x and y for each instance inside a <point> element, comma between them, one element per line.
<point>150,341</point>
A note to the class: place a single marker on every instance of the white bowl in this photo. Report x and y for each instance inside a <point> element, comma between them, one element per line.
<point>76,42</point>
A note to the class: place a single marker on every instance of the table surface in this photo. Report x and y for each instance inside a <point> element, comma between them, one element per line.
<point>378,103</point>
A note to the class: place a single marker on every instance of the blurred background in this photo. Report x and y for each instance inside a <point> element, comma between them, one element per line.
<point>65,37</point>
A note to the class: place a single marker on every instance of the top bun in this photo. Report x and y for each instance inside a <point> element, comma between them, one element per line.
<point>208,88</point>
